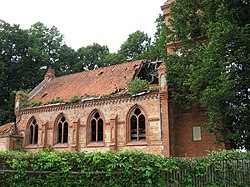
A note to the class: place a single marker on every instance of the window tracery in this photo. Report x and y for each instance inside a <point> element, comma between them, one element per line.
<point>137,126</point>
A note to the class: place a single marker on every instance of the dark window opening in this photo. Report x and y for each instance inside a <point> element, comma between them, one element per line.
<point>97,115</point>
<point>142,132</point>
<point>65,133</point>
<point>137,111</point>
<point>93,130</point>
<point>33,133</point>
<point>133,122</point>
<point>96,128</point>
<point>137,126</point>
<point>100,130</point>
<point>63,119</point>
<point>59,132</point>
<point>62,130</point>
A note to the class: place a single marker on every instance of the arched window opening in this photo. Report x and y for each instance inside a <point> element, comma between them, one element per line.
<point>33,132</point>
<point>62,130</point>
<point>137,126</point>
<point>96,128</point>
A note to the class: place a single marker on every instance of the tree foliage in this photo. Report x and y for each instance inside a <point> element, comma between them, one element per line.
<point>23,56</point>
<point>157,50</point>
<point>14,46</point>
<point>136,44</point>
<point>92,57</point>
<point>211,63</point>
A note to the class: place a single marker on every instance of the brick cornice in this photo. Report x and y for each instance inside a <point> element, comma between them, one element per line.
<point>90,103</point>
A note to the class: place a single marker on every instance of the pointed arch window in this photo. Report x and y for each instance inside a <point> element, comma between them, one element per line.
<point>33,132</point>
<point>62,130</point>
<point>137,126</point>
<point>96,128</point>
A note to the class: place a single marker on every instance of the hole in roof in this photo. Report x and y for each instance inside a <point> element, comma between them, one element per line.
<point>117,90</point>
<point>101,72</point>
<point>44,95</point>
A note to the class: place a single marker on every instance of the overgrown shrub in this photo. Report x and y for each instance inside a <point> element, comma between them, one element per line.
<point>27,104</point>
<point>136,85</point>
<point>57,100</point>
<point>35,103</point>
<point>74,99</point>
<point>24,93</point>
<point>153,89</point>
<point>51,168</point>
<point>23,105</point>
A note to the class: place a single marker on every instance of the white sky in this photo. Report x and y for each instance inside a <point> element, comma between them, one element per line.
<point>83,22</point>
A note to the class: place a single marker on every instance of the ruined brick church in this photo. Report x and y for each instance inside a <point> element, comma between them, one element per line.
<point>93,111</point>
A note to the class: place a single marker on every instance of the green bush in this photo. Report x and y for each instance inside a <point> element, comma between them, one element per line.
<point>74,99</point>
<point>136,85</point>
<point>153,89</point>
<point>57,100</point>
<point>51,168</point>
<point>27,104</point>
<point>24,105</point>
<point>35,103</point>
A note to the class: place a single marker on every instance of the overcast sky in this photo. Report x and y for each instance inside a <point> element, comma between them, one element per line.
<point>83,22</point>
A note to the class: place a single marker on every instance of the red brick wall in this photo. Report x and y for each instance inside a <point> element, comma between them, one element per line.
<point>114,112</point>
<point>187,147</point>
<point>4,143</point>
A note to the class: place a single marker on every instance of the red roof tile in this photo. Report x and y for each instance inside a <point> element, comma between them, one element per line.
<point>99,82</point>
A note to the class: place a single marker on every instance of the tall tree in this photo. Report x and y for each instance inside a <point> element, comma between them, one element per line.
<point>67,60</point>
<point>91,57</point>
<point>114,58</point>
<point>136,44</point>
<point>23,53</point>
<point>156,50</point>
<point>47,43</point>
<point>211,63</point>
<point>14,45</point>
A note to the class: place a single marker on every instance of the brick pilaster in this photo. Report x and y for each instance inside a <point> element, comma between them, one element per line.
<point>113,133</point>
<point>75,136</point>
<point>42,137</point>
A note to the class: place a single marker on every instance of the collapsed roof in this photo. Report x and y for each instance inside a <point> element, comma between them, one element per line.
<point>99,82</point>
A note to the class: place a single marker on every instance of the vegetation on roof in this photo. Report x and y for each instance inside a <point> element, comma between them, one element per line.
<point>137,85</point>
